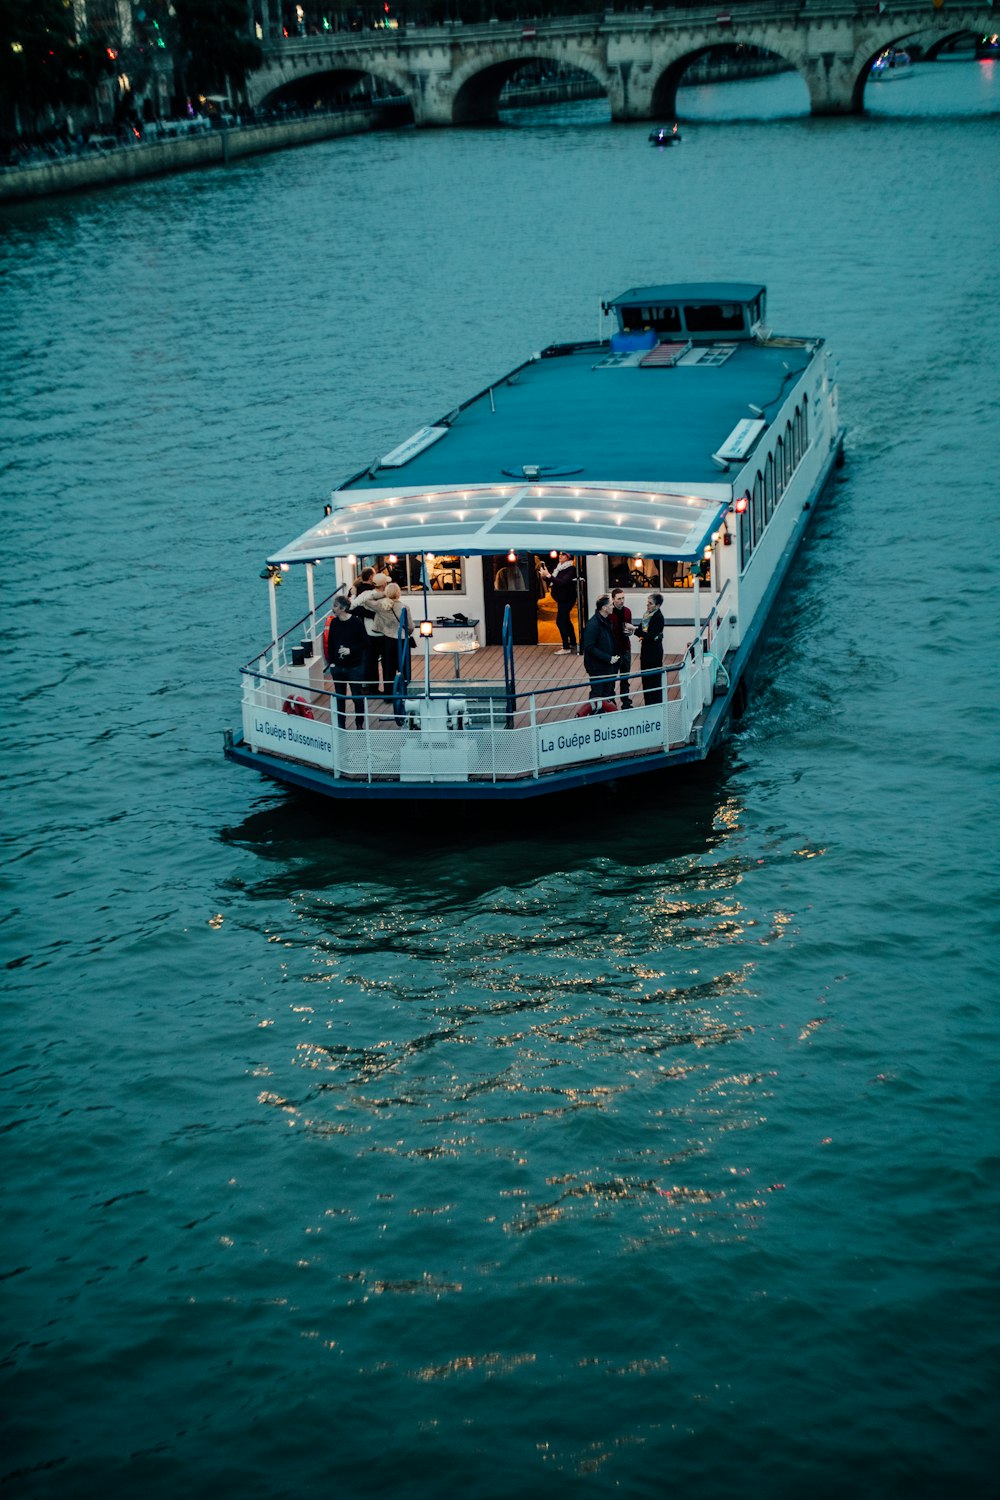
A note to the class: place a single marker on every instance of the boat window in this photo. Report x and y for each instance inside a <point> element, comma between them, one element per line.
<point>714,318</point>
<point>796,439</point>
<point>755,506</point>
<point>779,471</point>
<point>768,489</point>
<point>652,573</point>
<point>444,572</point>
<point>661,319</point>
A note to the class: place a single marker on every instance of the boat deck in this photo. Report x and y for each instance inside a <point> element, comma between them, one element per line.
<point>559,683</point>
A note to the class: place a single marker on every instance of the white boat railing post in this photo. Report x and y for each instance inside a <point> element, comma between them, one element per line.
<point>493,741</point>
<point>533,720</point>
<point>272,589</point>
<point>311,591</point>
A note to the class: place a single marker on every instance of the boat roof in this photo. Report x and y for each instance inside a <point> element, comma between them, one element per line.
<point>490,519</point>
<point>585,411</point>
<point>691,291</point>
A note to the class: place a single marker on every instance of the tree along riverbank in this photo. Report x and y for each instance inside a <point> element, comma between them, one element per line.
<point>71,174</point>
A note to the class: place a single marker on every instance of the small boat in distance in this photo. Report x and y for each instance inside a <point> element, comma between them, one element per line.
<point>988,47</point>
<point>665,136</point>
<point>892,63</point>
<point>680,461</point>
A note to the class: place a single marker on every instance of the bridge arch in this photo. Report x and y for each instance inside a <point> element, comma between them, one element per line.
<point>332,88</point>
<point>663,97</point>
<point>477,87</point>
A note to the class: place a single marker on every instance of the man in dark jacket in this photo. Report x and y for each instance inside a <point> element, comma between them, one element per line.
<point>346,650</point>
<point>621,629</point>
<point>562,587</point>
<point>600,655</point>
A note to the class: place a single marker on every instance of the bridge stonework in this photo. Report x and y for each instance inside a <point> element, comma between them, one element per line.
<point>453,75</point>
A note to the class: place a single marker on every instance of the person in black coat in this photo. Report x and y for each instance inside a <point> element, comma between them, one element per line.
<point>650,630</point>
<point>346,652</point>
<point>621,628</point>
<point>600,655</point>
<point>562,587</point>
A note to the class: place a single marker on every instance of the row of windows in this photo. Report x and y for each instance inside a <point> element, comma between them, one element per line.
<point>444,574</point>
<point>655,573</point>
<point>771,482</point>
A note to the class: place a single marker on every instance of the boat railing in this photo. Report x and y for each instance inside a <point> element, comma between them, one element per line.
<point>475,730</point>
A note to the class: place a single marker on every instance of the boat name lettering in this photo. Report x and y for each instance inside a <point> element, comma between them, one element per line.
<point>276,731</point>
<point>625,731</point>
<point>290,734</point>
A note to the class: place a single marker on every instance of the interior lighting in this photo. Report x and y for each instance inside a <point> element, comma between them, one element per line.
<point>741,504</point>
<point>426,627</point>
<point>392,558</point>
<point>512,555</point>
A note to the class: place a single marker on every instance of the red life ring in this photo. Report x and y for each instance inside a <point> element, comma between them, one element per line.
<point>299,706</point>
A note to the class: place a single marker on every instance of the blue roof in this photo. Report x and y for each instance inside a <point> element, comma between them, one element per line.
<point>692,291</point>
<point>582,411</point>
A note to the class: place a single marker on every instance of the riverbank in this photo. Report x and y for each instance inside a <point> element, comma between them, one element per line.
<point>154,158</point>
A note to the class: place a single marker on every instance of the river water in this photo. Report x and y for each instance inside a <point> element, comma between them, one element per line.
<point>643,1145</point>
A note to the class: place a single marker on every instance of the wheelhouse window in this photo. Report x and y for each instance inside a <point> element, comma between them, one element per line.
<point>444,573</point>
<point>714,318</point>
<point>660,319</point>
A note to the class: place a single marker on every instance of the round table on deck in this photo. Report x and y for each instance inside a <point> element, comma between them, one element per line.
<point>458,649</point>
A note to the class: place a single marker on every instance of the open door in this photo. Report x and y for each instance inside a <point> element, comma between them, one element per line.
<point>511,579</point>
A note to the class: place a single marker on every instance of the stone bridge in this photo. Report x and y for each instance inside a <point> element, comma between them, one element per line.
<point>453,74</point>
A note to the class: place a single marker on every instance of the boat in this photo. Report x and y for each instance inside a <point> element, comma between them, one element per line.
<point>682,454</point>
<point>988,46</point>
<point>665,137</point>
<point>891,63</point>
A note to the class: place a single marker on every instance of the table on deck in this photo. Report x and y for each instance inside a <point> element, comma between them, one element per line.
<point>458,649</point>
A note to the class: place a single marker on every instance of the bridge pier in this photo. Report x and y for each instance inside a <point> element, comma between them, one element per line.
<point>833,84</point>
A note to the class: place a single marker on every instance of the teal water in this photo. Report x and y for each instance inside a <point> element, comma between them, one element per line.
<point>642,1144</point>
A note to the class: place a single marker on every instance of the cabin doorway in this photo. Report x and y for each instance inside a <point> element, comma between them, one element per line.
<point>548,608</point>
<point>511,578</point>
<point>519,583</point>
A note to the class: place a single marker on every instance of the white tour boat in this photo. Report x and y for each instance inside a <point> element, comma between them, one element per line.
<point>682,457</point>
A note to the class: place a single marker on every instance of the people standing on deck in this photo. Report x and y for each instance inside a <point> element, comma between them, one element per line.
<point>364,602</point>
<point>650,631</point>
<point>346,650</point>
<point>600,654</point>
<point>621,629</point>
<point>388,612</point>
<point>562,583</point>
<point>362,583</point>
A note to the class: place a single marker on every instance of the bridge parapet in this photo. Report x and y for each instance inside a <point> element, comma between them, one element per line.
<point>453,74</point>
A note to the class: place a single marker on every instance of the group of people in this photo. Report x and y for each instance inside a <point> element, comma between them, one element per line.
<point>361,642</point>
<point>607,649</point>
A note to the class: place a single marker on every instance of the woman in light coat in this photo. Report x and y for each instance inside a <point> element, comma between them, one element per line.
<point>387,611</point>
